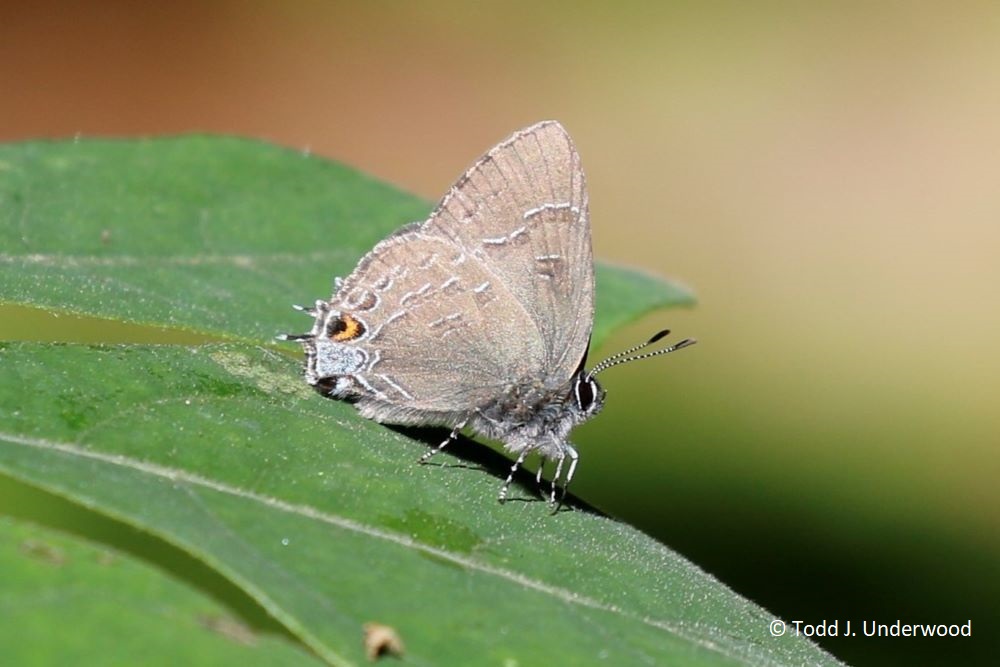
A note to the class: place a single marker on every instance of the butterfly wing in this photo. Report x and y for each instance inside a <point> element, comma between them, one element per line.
<point>440,333</point>
<point>521,212</point>
<point>494,291</point>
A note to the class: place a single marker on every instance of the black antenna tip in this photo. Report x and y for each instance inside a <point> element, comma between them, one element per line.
<point>293,337</point>
<point>685,343</point>
<point>657,336</point>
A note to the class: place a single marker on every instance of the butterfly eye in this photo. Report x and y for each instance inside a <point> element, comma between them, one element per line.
<point>586,391</point>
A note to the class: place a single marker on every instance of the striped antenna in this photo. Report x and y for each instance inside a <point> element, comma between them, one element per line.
<point>624,356</point>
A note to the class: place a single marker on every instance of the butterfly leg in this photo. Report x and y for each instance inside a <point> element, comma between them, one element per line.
<point>451,436</point>
<point>538,475</point>
<point>573,458</point>
<point>510,478</point>
<point>555,478</point>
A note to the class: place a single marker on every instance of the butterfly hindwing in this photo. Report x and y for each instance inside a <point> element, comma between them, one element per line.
<point>427,308</point>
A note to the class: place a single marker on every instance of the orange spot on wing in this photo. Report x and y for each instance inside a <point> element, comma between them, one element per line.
<point>347,328</point>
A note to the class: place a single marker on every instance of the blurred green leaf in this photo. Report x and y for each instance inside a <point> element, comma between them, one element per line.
<point>213,234</point>
<point>65,601</point>
<point>327,521</point>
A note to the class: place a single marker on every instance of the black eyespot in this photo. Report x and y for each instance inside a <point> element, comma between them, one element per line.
<point>326,385</point>
<point>336,327</point>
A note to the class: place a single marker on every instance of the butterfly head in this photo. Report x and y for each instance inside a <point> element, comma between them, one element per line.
<point>587,396</point>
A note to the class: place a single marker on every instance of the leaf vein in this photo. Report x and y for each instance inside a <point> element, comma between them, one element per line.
<point>309,512</point>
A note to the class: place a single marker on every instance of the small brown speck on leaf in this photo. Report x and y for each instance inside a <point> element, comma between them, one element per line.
<point>229,628</point>
<point>106,558</point>
<point>381,640</point>
<point>43,552</point>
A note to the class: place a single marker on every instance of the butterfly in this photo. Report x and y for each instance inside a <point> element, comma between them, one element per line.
<point>479,317</point>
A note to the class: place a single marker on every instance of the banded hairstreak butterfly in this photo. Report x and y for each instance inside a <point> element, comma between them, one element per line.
<point>479,317</point>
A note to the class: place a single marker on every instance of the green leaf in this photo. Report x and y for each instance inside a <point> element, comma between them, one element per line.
<point>326,520</point>
<point>222,459</point>
<point>211,234</point>
<point>65,601</point>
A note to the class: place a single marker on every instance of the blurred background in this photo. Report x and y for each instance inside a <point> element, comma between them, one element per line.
<point>824,175</point>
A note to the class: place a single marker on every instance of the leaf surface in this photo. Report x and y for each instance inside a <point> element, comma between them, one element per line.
<point>221,453</point>
<point>107,608</point>
<point>326,520</point>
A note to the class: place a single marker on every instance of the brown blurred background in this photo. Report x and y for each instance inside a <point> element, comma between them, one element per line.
<point>824,175</point>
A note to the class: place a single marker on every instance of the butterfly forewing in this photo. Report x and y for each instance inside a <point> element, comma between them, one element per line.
<point>521,212</point>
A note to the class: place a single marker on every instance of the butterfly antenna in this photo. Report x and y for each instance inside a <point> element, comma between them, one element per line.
<point>628,355</point>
